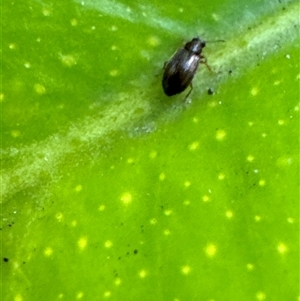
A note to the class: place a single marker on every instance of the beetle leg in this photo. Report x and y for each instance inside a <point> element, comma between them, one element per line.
<point>191,85</point>
<point>203,60</point>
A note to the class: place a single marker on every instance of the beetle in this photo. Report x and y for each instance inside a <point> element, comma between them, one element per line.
<point>182,67</point>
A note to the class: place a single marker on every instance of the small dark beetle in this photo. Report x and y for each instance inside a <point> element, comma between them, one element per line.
<point>181,68</point>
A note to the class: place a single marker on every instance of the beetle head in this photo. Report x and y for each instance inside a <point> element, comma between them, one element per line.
<point>195,46</point>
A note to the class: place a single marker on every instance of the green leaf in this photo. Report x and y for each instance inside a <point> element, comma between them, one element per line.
<point>113,191</point>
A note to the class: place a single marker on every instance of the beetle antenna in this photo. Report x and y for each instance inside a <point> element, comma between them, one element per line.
<point>215,41</point>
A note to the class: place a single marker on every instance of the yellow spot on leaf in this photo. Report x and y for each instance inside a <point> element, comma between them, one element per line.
<point>101,208</point>
<point>257,218</point>
<point>281,122</point>
<point>153,41</point>
<point>130,160</point>
<point>167,232</point>
<point>186,202</point>
<point>250,266</point>
<point>254,91</point>
<point>221,176</point>
<point>229,214</point>
<point>186,269</point>
<point>114,72</point>
<point>15,133</point>
<point>168,212</point>
<point>74,22</point>
<point>78,188</point>
<point>187,183</point>
<point>126,198</point>
<point>82,243</point>
<point>107,294</point>
<point>18,298</point>
<point>118,281</point>
<point>282,248</point>
<point>211,250</point>
<point>48,252</point>
<point>206,198</point>
<point>143,273</point>
<point>12,46</point>
<point>262,182</point>
<point>46,12</point>
<point>193,146</point>
<point>59,216</point>
<point>290,220</point>
<point>260,296</point>
<point>250,158</point>
<point>162,176</point>
<point>153,221</point>
<point>39,89</point>
<point>79,295</point>
<point>67,60</point>
<point>153,154</point>
<point>220,135</point>
<point>108,244</point>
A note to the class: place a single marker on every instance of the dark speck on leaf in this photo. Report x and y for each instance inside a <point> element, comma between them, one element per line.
<point>135,251</point>
<point>5,259</point>
<point>210,91</point>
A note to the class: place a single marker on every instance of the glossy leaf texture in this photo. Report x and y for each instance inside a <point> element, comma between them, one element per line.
<point>113,191</point>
